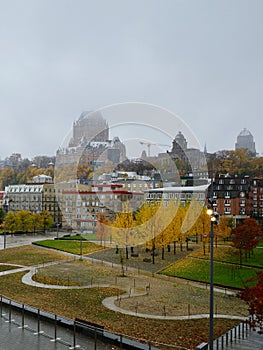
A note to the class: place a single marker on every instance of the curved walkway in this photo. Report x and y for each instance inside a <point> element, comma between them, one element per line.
<point>110,302</point>
<point>27,279</point>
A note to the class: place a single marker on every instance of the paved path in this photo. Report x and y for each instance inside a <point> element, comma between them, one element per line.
<point>110,302</point>
<point>253,341</point>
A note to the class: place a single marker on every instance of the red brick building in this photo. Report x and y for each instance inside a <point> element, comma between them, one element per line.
<point>238,196</point>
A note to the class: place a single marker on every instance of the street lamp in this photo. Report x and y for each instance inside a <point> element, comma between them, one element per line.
<point>58,224</point>
<point>5,207</point>
<point>213,220</point>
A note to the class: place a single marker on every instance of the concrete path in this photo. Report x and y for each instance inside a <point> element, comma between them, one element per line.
<point>110,302</point>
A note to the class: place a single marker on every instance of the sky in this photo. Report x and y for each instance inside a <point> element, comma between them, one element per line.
<point>200,60</point>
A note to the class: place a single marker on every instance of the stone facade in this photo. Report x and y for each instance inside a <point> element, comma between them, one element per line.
<point>35,197</point>
<point>81,207</point>
<point>90,141</point>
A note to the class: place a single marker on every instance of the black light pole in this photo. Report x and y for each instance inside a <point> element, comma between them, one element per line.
<point>211,318</point>
<point>213,220</point>
<point>5,206</point>
<point>58,224</point>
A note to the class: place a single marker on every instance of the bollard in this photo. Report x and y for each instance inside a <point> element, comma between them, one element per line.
<point>95,339</point>
<point>38,321</point>
<point>231,336</point>
<point>120,341</point>
<point>55,332</point>
<point>243,330</point>
<point>222,342</point>
<point>1,305</point>
<point>74,335</point>
<point>23,316</point>
<point>246,329</point>
<point>10,310</point>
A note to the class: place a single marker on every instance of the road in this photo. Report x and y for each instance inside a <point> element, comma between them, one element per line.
<point>24,239</point>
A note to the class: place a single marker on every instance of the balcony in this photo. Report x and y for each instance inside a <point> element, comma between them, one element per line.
<point>227,204</point>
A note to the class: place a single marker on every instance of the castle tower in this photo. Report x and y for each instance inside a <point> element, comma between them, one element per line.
<point>245,140</point>
<point>91,126</point>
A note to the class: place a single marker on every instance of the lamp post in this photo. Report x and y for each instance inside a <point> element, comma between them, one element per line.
<point>213,220</point>
<point>5,207</point>
<point>58,224</point>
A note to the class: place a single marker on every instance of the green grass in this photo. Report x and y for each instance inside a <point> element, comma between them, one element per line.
<point>199,270</point>
<point>231,255</point>
<point>87,237</point>
<point>7,267</point>
<point>70,246</point>
<point>29,255</point>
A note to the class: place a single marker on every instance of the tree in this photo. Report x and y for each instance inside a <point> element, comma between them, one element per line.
<point>2,215</point>
<point>24,221</point>
<point>223,229</point>
<point>246,237</point>
<point>151,221</point>
<point>101,230</point>
<point>253,296</point>
<point>166,235</point>
<point>36,222</point>
<point>202,226</point>
<point>46,220</point>
<point>190,225</point>
<point>11,222</point>
<point>122,227</point>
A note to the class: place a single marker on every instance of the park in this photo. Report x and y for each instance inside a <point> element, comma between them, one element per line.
<point>165,303</point>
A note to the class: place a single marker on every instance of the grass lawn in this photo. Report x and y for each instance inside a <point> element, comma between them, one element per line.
<point>198,270</point>
<point>7,267</point>
<point>86,304</point>
<point>70,246</point>
<point>231,255</point>
<point>28,255</point>
<point>84,237</point>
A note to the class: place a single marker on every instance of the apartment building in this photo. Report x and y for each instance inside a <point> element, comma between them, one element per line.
<point>238,196</point>
<point>81,207</point>
<point>36,196</point>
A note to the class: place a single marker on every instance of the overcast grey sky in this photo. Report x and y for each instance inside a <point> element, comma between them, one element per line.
<point>200,59</point>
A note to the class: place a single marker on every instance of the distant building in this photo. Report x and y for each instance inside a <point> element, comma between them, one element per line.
<point>238,197</point>
<point>91,126</point>
<point>90,143</point>
<point>245,140</point>
<point>192,156</point>
<point>37,196</point>
<point>183,194</point>
<point>81,207</point>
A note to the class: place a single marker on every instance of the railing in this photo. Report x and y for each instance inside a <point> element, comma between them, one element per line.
<point>50,325</point>
<point>226,341</point>
<point>232,336</point>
